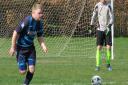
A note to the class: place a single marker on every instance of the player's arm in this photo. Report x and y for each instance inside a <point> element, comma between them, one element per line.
<point>95,13</point>
<point>16,34</point>
<point>111,17</point>
<point>40,37</point>
<point>42,44</point>
<point>13,45</point>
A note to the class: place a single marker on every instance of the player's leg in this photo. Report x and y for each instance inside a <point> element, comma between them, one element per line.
<point>21,62</point>
<point>108,52</point>
<point>108,57</point>
<point>29,75</point>
<point>99,47</point>
<point>31,66</point>
<point>98,57</point>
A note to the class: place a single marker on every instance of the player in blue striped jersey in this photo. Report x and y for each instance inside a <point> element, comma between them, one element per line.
<point>23,45</point>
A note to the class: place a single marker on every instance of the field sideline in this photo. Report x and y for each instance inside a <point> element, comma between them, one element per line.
<point>67,66</point>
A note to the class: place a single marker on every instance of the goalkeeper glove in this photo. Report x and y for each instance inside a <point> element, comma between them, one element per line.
<point>108,29</point>
<point>109,26</point>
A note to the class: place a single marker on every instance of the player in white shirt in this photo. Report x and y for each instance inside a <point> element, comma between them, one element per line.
<point>103,12</point>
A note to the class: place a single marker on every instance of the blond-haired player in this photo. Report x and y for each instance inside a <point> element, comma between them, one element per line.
<point>23,45</point>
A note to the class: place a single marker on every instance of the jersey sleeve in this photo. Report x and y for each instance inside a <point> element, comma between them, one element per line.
<point>95,13</point>
<point>22,25</point>
<point>110,15</point>
<point>40,30</point>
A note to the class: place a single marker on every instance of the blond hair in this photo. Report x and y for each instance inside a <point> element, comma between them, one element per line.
<point>36,6</point>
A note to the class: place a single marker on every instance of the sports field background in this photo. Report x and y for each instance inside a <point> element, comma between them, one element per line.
<point>68,68</point>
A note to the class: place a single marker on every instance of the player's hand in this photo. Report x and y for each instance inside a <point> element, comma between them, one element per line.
<point>45,49</point>
<point>12,51</point>
<point>108,29</point>
<point>109,26</point>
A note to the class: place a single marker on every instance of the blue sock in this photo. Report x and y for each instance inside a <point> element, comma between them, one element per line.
<point>28,78</point>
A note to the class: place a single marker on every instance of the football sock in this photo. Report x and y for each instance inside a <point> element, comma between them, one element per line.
<point>108,56</point>
<point>98,57</point>
<point>28,78</point>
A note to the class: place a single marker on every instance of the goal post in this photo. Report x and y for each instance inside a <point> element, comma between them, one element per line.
<point>112,48</point>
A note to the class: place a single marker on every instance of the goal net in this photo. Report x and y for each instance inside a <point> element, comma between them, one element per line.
<point>68,29</point>
<point>66,25</point>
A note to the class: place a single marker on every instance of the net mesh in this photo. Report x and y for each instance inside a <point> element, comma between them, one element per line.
<point>121,20</point>
<point>66,25</point>
<point>11,12</point>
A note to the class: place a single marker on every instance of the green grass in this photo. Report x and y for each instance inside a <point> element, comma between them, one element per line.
<point>67,63</point>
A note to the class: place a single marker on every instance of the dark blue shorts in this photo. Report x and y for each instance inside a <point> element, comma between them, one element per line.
<point>26,57</point>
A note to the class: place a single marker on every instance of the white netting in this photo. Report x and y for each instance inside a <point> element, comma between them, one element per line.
<point>68,28</point>
<point>11,12</point>
<point>66,25</point>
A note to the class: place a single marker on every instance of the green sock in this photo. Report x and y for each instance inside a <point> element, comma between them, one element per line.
<point>98,57</point>
<point>108,56</point>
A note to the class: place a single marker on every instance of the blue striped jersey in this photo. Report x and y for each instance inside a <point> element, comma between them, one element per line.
<point>27,30</point>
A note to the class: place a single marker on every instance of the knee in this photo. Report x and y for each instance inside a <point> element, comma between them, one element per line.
<point>108,47</point>
<point>99,47</point>
<point>22,72</point>
<point>31,69</point>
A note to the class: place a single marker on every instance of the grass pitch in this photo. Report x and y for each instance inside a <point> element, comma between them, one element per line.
<point>67,63</point>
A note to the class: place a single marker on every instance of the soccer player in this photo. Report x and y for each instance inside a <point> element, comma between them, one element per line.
<point>23,45</point>
<point>104,14</point>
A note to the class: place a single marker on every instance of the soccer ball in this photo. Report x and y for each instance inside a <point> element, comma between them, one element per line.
<point>96,80</point>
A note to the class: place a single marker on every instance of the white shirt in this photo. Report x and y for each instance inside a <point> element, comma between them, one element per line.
<point>104,14</point>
